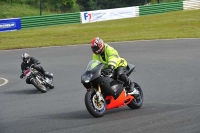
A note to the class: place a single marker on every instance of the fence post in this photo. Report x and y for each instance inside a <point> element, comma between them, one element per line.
<point>40,7</point>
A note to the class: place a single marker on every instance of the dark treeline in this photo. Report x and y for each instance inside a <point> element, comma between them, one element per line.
<point>87,5</point>
<point>62,6</point>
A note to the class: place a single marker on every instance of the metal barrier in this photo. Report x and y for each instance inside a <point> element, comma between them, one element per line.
<point>160,8</point>
<point>47,20</point>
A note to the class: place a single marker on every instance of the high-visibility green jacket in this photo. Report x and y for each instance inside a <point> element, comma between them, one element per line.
<point>111,57</point>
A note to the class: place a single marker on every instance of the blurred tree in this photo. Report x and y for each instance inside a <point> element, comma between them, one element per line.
<point>62,6</point>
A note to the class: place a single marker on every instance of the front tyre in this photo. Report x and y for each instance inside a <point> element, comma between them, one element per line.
<point>51,86</point>
<point>95,108</point>
<point>40,87</point>
<point>136,102</point>
<point>49,83</point>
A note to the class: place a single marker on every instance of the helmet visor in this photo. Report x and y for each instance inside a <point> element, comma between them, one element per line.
<point>25,59</point>
<point>95,49</point>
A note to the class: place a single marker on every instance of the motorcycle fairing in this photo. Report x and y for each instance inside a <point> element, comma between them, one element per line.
<point>122,100</point>
<point>110,87</point>
<point>130,68</point>
<point>96,72</point>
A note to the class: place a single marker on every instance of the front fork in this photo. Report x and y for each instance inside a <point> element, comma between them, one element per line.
<point>36,77</point>
<point>99,94</point>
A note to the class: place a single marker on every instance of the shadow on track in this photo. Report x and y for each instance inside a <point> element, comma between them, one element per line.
<point>122,113</point>
<point>79,114</point>
<point>84,114</point>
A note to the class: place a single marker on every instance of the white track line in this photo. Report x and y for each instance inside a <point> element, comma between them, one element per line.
<point>5,81</point>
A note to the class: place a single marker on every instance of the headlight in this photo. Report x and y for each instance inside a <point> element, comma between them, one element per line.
<point>87,78</point>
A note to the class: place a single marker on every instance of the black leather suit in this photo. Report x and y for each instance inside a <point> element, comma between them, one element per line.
<point>25,66</point>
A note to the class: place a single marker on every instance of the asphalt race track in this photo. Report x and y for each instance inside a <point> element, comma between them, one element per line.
<point>168,71</point>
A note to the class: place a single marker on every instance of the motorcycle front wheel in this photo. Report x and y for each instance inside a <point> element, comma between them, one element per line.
<point>49,83</point>
<point>95,108</point>
<point>37,85</point>
<point>51,86</point>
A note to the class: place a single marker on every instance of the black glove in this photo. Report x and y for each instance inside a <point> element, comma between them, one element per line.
<point>33,65</point>
<point>109,70</point>
<point>22,75</point>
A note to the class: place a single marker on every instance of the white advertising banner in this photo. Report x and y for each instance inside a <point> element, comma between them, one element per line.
<point>191,4</point>
<point>110,14</point>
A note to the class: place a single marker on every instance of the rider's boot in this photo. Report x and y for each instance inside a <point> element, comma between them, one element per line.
<point>132,91</point>
<point>49,75</point>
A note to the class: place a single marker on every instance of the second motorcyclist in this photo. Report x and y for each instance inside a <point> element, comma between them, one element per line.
<point>27,61</point>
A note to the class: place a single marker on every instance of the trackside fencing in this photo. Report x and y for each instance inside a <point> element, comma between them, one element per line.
<point>160,8</point>
<point>47,20</point>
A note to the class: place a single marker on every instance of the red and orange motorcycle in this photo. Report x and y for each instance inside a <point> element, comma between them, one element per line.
<point>105,92</point>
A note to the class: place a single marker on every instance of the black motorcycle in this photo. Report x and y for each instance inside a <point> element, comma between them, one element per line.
<point>106,92</point>
<point>40,81</point>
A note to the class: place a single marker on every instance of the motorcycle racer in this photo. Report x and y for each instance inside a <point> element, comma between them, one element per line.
<point>109,56</point>
<point>27,61</point>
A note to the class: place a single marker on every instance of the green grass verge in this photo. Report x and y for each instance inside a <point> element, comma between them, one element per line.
<point>14,10</point>
<point>179,24</point>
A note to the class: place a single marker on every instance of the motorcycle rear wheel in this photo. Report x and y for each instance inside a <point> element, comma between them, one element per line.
<point>136,103</point>
<point>95,108</point>
<point>40,87</point>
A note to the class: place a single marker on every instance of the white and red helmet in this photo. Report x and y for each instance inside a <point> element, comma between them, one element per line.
<point>25,57</point>
<point>97,45</point>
